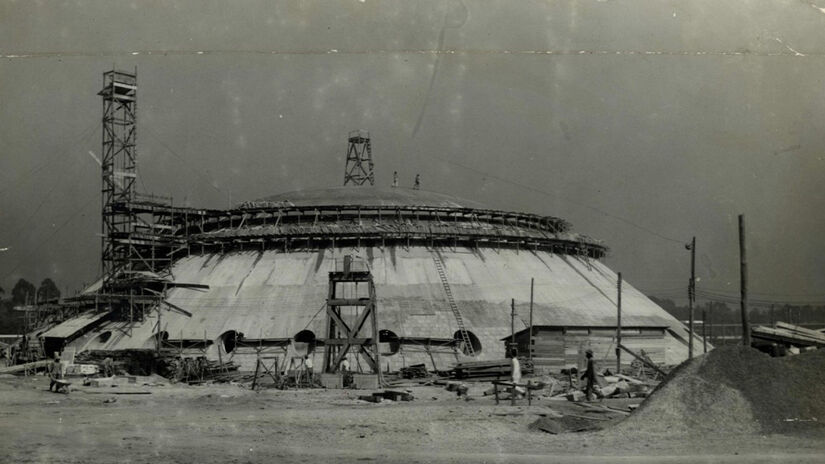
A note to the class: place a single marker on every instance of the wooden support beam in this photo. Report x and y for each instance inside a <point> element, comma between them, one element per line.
<point>643,360</point>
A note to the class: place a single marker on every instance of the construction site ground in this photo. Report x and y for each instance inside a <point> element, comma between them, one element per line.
<point>224,423</point>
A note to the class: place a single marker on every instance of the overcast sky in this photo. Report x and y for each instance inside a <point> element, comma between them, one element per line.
<point>643,123</point>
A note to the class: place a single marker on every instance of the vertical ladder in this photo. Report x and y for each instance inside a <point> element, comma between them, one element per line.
<point>442,274</point>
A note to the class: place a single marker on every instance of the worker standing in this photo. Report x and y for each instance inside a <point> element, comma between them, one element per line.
<point>515,367</point>
<point>590,375</point>
<point>346,374</point>
<point>515,373</point>
<point>55,374</point>
<point>108,367</point>
<point>308,368</point>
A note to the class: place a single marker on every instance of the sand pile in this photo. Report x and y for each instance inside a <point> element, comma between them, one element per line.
<point>736,390</point>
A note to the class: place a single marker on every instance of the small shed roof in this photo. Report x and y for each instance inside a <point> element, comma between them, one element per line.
<point>70,327</point>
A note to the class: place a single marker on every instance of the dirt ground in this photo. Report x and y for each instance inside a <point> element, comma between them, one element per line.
<point>230,424</point>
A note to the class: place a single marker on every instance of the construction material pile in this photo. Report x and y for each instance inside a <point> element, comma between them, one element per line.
<point>736,390</point>
<point>416,371</point>
<point>489,370</point>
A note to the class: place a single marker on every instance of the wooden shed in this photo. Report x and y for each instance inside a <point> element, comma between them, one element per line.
<point>557,347</point>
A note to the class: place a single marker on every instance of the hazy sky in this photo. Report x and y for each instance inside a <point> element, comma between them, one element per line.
<point>641,122</point>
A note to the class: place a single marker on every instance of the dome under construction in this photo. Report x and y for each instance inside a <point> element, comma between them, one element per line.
<point>387,277</point>
<point>443,272</point>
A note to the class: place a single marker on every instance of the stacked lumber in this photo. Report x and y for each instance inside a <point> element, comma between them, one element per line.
<point>416,371</point>
<point>392,395</point>
<point>488,370</point>
<point>789,334</point>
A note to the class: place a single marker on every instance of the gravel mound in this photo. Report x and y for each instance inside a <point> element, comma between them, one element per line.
<point>736,390</point>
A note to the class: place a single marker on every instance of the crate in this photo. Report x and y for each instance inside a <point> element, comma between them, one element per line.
<point>365,381</point>
<point>332,381</point>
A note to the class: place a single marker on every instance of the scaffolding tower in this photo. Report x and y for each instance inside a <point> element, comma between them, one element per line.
<point>119,168</point>
<point>358,333</point>
<point>359,168</point>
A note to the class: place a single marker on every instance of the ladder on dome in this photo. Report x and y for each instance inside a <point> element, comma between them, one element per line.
<point>442,274</point>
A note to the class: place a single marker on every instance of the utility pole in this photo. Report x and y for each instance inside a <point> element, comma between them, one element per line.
<point>530,340</point>
<point>710,315</point>
<point>743,272</point>
<point>704,329</point>
<point>512,323</point>
<point>691,293</point>
<point>619,326</point>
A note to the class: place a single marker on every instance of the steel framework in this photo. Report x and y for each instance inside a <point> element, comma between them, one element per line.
<point>359,168</point>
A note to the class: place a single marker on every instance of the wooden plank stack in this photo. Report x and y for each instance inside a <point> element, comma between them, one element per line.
<point>488,370</point>
<point>416,371</point>
<point>789,334</point>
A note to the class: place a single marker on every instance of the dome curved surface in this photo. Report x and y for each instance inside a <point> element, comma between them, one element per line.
<point>370,196</point>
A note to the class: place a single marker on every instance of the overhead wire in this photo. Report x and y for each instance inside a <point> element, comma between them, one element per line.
<point>205,177</point>
<point>88,131</point>
<point>552,195</point>
<point>54,232</point>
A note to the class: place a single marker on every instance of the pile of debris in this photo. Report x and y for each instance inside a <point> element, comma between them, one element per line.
<point>392,395</point>
<point>416,371</point>
<point>736,390</point>
<point>200,370</point>
<point>134,362</point>
<point>590,417</point>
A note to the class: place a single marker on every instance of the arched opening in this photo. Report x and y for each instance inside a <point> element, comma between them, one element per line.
<point>388,342</point>
<point>304,342</point>
<point>474,342</point>
<point>104,337</point>
<point>229,340</point>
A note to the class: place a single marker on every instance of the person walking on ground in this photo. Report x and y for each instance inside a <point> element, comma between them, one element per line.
<point>55,374</point>
<point>590,375</point>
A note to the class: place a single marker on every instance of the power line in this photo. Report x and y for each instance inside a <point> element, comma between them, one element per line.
<point>54,232</point>
<point>40,205</point>
<point>187,164</point>
<point>552,195</point>
<point>86,133</point>
<point>735,299</point>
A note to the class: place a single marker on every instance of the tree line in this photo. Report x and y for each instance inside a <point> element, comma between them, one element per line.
<point>23,293</point>
<point>719,312</point>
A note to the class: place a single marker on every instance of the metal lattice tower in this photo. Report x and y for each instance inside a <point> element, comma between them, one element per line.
<point>119,170</point>
<point>359,169</point>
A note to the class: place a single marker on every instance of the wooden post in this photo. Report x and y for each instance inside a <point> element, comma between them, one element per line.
<point>160,329</point>
<point>704,329</point>
<point>710,322</point>
<point>257,369</point>
<point>743,272</point>
<point>691,294</point>
<point>619,326</point>
<point>530,339</point>
<point>512,323</point>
